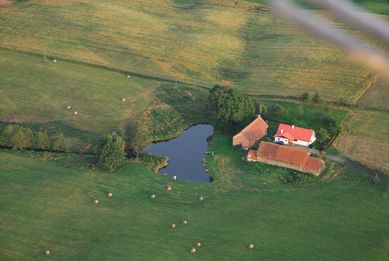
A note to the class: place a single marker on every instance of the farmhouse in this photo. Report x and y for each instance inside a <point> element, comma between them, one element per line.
<point>295,135</point>
<point>251,134</point>
<point>286,156</point>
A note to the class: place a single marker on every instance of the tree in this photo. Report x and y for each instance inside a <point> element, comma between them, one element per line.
<point>22,138</point>
<point>58,142</point>
<point>324,136</point>
<point>111,152</point>
<point>7,134</point>
<point>316,98</point>
<point>260,108</point>
<point>305,96</point>
<point>41,141</point>
<point>231,106</point>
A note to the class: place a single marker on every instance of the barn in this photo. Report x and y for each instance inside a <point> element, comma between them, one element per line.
<point>287,156</point>
<point>251,134</point>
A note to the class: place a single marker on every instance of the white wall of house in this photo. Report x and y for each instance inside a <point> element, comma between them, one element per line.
<point>313,138</point>
<point>300,142</point>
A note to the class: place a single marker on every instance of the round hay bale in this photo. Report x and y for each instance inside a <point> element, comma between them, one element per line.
<point>128,76</point>
<point>109,195</point>
<point>75,113</point>
<point>251,246</point>
<point>168,188</point>
<point>54,61</point>
<point>47,252</point>
<point>201,198</point>
<point>174,177</point>
<point>198,244</point>
<point>153,196</point>
<point>123,99</point>
<point>68,107</point>
<point>193,250</point>
<point>185,222</point>
<point>173,226</point>
<point>97,201</point>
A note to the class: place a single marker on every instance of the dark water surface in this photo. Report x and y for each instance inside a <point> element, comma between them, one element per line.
<point>185,153</point>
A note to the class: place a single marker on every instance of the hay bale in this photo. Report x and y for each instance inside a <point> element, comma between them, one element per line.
<point>251,246</point>
<point>201,198</point>
<point>193,250</point>
<point>109,195</point>
<point>54,61</point>
<point>123,99</point>
<point>47,252</point>
<point>174,177</point>
<point>198,244</point>
<point>168,188</point>
<point>128,76</point>
<point>68,107</point>
<point>185,222</point>
<point>173,226</point>
<point>75,112</point>
<point>153,196</point>
<point>97,201</point>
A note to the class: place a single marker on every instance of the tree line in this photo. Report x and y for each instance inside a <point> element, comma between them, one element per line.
<point>20,138</point>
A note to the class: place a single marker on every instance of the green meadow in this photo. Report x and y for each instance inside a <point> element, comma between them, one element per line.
<point>46,205</point>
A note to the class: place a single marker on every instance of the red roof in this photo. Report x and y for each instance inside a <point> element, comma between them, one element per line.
<point>294,133</point>
<point>314,164</point>
<point>255,130</point>
<point>287,154</point>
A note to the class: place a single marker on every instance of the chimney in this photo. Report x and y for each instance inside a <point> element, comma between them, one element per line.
<point>292,127</point>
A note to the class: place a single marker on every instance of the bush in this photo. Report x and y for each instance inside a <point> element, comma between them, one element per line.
<point>278,110</point>
<point>316,98</point>
<point>155,163</point>
<point>305,96</point>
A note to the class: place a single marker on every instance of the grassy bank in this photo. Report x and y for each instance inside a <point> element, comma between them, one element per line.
<point>46,205</point>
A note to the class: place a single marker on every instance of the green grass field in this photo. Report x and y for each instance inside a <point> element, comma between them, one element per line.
<point>47,206</point>
<point>202,42</point>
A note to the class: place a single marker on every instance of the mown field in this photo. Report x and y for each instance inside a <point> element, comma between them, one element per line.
<point>45,205</point>
<point>202,42</point>
<point>364,139</point>
<point>35,90</point>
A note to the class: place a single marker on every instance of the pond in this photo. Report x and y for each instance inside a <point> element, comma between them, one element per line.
<point>185,154</point>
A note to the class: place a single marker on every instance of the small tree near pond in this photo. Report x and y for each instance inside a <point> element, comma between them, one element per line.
<point>111,152</point>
